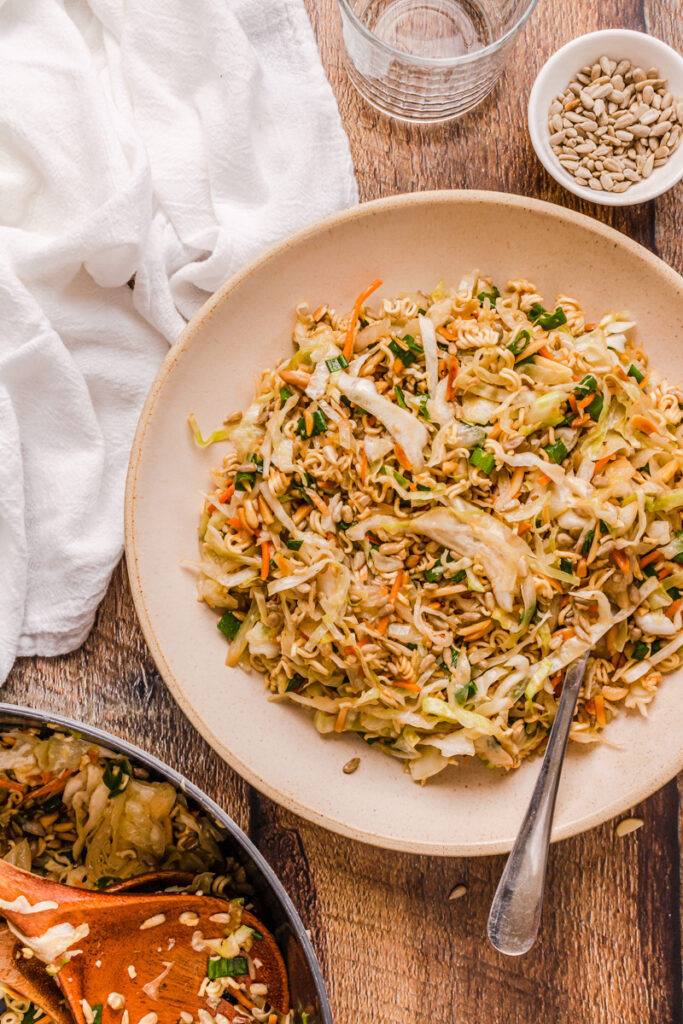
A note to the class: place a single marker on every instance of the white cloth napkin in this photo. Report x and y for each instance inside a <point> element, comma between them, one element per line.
<point>171,140</point>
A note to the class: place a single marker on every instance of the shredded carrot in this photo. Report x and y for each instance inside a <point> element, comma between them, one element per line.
<point>265,559</point>
<point>580,421</point>
<point>601,463</point>
<point>235,523</point>
<point>282,563</point>
<point>572,402</point>
<point>405,685</point>
<point>383,623</point>
<point>582,569</point>
<point>542,480</point>
<point>51,787</point>
<point>402,457</point>
<point>563,634</point>
<point>643,424</point>
<point>663,573</point>
<point>599,703</point>
<point>241,998</point>
<point>364,466</point>
<point>622,560</point>
<point>673,608</point>
<point>590,707</point>
<point>398,367</point>
<point>651,556</point>
<point>547,354</point>
<point>523,528</point>
<point>397,584</point>
<point>555,584</point>
<point>16,787</point>
<point>556,682</point>
<point>227,494</point>
<point>452,374</point>
<point>585,401</point>
<point>435,604</point>
<point>355,313</point>
<point>341,718</point>
<point>493,432</point>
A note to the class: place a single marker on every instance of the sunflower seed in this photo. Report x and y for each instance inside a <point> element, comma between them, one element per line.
<point>628,825</point>
<point>351,766</point>
<point>458,891</point>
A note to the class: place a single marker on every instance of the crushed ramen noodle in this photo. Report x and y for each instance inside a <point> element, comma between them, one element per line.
<point>435,506</point>
<point>73,811</point>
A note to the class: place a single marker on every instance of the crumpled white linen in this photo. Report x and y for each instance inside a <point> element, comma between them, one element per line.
<point>171,141</point>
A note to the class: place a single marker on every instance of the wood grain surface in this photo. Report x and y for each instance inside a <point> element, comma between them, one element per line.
<point>394,948</point>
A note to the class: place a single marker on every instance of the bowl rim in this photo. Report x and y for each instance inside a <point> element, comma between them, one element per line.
<point>439,197</point>
<point>34,716</point>
<point>438,62</point>
<point>539,95</point>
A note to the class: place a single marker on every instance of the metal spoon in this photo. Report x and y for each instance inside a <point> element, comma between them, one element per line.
<point>515,914</point>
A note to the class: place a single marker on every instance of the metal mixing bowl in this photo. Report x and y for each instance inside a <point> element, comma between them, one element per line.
<point>306,982</point>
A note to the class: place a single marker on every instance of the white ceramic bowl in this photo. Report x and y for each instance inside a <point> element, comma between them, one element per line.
<point>556,74</point>
<point>411,241</point>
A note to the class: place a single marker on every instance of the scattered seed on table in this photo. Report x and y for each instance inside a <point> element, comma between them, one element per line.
<point>614,124</point>
<point>350,766</point>
<point>457,892</point>
<point>628,825</point>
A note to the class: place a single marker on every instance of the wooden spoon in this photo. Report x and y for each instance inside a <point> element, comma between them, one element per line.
<point>29,980</point>
<point>130,943</point>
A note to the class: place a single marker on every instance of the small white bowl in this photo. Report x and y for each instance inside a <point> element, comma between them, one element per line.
<point>618,44</point>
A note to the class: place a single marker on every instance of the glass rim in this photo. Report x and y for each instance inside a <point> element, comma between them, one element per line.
<point>444,62</point>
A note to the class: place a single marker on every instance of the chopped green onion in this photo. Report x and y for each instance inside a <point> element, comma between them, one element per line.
<point>256,935</point>
<point>656,645</point>
<point>285,393</point>
<point>556,452</point>
<point>588,540</point>
<point>341,525</point>
<point>97,1013</point>
<point>525,361</point>
<point>679,557</point>
<point>634,372</point>
<point>650,569</point>
<point>116,776</point>
<point>412,344</point>
<point>229,625</point>
<point>422,312</point>
<point>295,683</point>
<point>319,425</point>
<point>434,574</point>
<point>491,296</point>
<point>256,460</point>
<point>566,565</point>
<point>227,967</point>
<point>104,881</point>
<point>520,344</point>
<point>405,355</point>
<point>586,386</point>
<point>595,407</point>
<point>640,651</point>
<point>538,314</point>
<point>465,692</point>
<point>483,460</point>
<point>604,528</point>
<point>422,410</point>
<point>339,362</point>
<point>459,576</point>
<point>294,545</point>
<point>399,478</point>
<point>244,481</point>
<point>400,397</point>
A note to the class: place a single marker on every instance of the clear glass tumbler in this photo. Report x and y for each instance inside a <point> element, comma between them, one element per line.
<point>429,60</point>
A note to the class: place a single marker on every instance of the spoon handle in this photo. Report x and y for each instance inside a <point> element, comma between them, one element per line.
<point>515,914</point>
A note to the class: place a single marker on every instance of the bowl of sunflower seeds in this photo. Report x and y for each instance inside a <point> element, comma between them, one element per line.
<point>606,117</point>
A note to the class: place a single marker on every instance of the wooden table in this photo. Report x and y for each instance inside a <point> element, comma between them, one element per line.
<point>393,948</point>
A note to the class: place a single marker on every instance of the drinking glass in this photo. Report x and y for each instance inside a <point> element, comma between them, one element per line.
<point>429,60</point>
